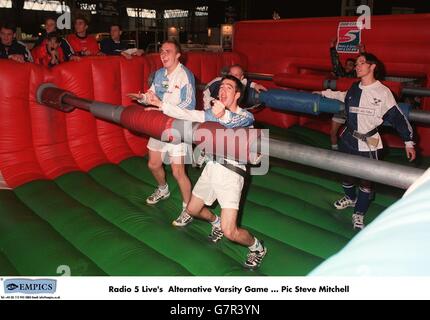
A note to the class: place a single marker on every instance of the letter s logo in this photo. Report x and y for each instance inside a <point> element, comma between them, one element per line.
<point>350,36</point>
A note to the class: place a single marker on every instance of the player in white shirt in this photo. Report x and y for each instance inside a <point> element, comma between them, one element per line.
<point>368,104</point>
<point>173,85</point>
<point>222,179</point>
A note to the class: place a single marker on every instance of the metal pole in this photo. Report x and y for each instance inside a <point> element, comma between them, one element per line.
<point>305,102</point>
<point>418,92</point>
<point>260,76</point>
<point>373,170</point>
<point>419,116</point>
<point>142,121</point>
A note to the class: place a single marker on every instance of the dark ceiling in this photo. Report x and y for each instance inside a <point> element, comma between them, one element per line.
<point>253,9</point>
<point>164,4</point>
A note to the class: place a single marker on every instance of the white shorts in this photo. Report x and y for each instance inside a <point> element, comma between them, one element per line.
<point>174,150</point>
<point>219,183</point>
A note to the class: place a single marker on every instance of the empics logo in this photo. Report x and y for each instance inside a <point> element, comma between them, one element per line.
<point>11,286</point>
<point>29,286</point>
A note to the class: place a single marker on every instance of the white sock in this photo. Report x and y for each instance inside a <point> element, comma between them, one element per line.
<point>217,222</point>
<point>163,188</point>
<point>257,246</point>
<point>184,205</point>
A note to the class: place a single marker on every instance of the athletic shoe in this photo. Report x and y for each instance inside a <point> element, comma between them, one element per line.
<point>255,258</point>
<point>357,221</point>
<point>216,234</point>
<point>344,203</point>
<point>158,195</point>
<point>183,219</point>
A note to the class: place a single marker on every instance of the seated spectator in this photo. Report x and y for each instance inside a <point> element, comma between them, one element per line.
<point>50,27</point>
<point>10,48</point>
<point>83,44</point>
<point>51,53</point>
<point>212,88</point>
<point>113,46</point>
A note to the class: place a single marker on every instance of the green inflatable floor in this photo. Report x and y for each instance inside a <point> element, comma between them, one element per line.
<point>99,224</point>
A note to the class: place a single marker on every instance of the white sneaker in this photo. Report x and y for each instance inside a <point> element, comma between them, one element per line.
<point>216,234</point>
<point>183,219</point>
<point>357,221</point>
<point>344,203</point>
<point>158,195</point>
<point>254,258</point>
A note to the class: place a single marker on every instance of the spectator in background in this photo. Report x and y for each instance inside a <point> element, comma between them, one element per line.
<point>339,71</point>
<point>51,27</point>
<point>113,46</point>
<point>51,53</point>
<point>10,48</point>
<point>212,88</point>
<point>82,44</point>
<point>347,71</point>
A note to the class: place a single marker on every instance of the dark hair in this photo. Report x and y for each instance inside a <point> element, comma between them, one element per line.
<point>239,85</point>
<point>379,71</point>
<point>116,25</point>
<point>9,25</point>
<point>52,35</point>
<point>236,65</point>
<point>81,17</point>
<point>50,18</point>
<point>350,59</point>
<point>176,44</point>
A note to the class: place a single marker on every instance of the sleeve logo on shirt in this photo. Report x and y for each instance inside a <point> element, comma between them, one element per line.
<point>376,101</point>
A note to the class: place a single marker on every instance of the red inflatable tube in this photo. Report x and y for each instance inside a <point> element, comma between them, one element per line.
<point>236,143</point>
<point>151,122</point>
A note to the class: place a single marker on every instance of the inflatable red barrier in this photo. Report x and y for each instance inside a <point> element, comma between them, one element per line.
<point>41,143</point>
<point>302,82</point>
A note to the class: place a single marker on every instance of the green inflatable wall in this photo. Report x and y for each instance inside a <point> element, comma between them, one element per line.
<point>98,223</point>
